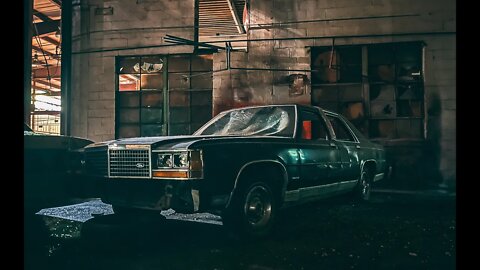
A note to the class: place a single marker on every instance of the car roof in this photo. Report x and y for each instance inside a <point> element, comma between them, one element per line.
<point>313,106</point>
<point>288,104</point>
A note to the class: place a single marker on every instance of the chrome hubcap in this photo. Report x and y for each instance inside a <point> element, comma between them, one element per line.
<point>258,206</point>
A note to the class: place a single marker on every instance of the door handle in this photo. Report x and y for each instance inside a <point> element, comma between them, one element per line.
<point>357,146</point>
<point>333,145</point>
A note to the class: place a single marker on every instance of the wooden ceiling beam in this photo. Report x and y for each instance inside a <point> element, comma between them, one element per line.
<point>54,72</point>
<point>41,16</point>
<point>46,112</point>
<point>50,92</point>
<point>50,40</point>
<point>57,3</point>
<point>40,87</point>
<point>38,49</point>
<point>47,83</point>
<point>45,27</point>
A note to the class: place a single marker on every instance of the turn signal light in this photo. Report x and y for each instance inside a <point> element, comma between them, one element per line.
<point>171,174</point>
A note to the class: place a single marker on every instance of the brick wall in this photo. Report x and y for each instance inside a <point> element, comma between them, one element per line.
<point>414,21</point>
<point>107,29</point>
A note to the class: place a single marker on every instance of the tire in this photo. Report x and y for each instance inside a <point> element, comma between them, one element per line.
<point>252,211</point>
<point>363,189</point>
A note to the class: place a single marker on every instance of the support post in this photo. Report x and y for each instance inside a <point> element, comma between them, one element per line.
<point>27,59</point>
<point>166,98</point>
<point>66,84</point>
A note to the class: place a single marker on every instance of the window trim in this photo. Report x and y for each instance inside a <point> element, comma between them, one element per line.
<point>354,136</point>
<point>300,122</point>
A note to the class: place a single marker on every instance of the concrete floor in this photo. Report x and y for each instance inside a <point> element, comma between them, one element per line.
<point>393,231</point>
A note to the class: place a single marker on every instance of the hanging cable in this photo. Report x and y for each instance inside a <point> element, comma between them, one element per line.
<point>331,54</point>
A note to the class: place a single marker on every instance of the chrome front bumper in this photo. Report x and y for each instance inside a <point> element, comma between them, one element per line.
<point>181,196</point>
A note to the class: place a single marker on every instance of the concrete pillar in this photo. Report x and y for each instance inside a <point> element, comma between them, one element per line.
<point>66,67</point>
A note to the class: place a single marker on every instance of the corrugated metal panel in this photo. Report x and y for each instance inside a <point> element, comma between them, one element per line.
<point>215,17</point>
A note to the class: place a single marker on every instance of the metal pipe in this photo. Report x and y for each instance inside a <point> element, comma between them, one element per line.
<point>274,25</point>
<point>196,23</point>
<point>331,54</point>
<point>180,40</point>
<point>228,56</point>
<point>272,69</point>
<point>124,49</point>
<point>341,36</point>
<point>166,98</point>
<point>278,39</point>
<point>258,26</point>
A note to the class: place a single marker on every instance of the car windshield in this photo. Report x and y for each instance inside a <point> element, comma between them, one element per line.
<point>259,121</point>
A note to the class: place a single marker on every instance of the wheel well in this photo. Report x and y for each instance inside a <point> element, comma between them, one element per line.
<point>272,173</point>
<point>371,166</point>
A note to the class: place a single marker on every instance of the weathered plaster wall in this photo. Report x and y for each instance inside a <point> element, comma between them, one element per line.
<point>105,29</point>
<point>415,21</point>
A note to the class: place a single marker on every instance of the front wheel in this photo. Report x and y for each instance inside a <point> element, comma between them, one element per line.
<point>252,212</point>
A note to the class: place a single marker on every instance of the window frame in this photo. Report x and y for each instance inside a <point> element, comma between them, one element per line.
<point>321,119</point>
<point>198,101</point>
<point>359,107</point>
<point>139,93</point>
<point>344,124</point>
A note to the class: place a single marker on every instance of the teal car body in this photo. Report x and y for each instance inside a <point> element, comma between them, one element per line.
<point>301,153</point>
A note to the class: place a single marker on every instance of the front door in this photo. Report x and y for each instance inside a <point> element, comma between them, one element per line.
<point>319,156</point>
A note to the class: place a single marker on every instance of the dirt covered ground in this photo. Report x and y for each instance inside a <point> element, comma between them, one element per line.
<point>393,231</point>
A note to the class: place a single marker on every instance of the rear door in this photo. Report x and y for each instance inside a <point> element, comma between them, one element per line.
<point>349,148</point>
<point>318,154</point>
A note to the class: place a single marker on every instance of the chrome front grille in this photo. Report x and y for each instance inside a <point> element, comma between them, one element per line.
<point>97,161</point>
<point>129,163</point>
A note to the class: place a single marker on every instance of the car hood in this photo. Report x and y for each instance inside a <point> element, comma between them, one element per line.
<point>182,142</point>
<point>32,140</point>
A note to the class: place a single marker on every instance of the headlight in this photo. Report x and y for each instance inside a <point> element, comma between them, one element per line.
<point>181,160</point>
<point>181,164</point>
<point>164,161</point>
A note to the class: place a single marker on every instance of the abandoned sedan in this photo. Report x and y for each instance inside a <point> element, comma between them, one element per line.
<point>48,162</point>
<point>244,164</point>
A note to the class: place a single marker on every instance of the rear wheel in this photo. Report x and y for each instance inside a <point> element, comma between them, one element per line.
<point>252,211</point>
<point>363,189</point>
